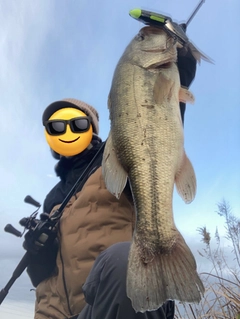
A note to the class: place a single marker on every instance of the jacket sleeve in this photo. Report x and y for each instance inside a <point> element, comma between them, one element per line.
<point>42,265</point>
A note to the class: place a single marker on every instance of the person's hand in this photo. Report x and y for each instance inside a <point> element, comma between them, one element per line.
<point>29,243</point>
<point>187,65</point>
<point>42,264</point>
<point>33,243</point>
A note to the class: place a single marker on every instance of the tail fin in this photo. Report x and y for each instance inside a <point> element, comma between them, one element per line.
<point>170,275</point>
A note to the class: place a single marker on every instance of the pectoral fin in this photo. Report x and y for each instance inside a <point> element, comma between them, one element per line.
<point>186,96</point>
<point>185,180</point>
<point>114,175</point>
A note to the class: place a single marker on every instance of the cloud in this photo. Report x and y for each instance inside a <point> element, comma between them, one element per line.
<point>51,176</point>
<point>21,40</point>
<point>12,309</point>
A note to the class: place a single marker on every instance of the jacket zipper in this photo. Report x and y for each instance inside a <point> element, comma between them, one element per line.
<point>63,275</point>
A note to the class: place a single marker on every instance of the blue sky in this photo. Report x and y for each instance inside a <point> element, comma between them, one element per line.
<point>56,49</point>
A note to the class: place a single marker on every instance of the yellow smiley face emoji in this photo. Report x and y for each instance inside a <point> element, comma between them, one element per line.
<point>68,131</point>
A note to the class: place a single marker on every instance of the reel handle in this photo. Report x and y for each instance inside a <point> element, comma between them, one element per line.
<point>29,200</point>
<point>12,230</point>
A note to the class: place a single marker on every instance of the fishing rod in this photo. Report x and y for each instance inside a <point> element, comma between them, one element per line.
<point>194,12</point>
<point>160,20</point>
<point>44,231</point>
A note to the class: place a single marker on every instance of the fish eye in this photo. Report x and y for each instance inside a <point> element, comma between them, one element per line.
<point>140,36</point>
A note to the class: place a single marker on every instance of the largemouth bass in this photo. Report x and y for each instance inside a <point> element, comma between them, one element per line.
<point>146,146</point>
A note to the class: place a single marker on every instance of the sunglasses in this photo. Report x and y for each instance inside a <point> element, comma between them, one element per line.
<point>77,124</point>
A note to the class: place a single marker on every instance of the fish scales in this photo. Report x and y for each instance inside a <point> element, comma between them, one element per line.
<point>145,145</point>
<point>143,140</point>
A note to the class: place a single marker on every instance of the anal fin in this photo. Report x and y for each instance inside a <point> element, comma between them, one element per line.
<point>185,180</point>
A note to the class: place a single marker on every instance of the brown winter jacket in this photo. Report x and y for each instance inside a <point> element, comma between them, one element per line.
<point>91,222</point>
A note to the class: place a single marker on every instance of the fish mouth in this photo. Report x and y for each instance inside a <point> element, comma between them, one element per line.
<point>165,65</point>
<point>155,50</point>
<point>70,141</point>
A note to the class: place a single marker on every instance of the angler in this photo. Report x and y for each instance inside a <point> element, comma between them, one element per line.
<point>82,273</point>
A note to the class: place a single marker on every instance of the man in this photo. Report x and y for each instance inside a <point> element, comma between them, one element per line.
<point>83,273</point>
